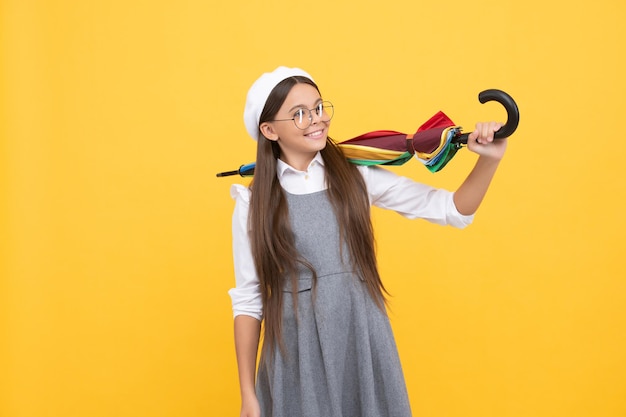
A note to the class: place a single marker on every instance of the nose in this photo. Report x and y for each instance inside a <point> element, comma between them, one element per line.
<point>314,117</point>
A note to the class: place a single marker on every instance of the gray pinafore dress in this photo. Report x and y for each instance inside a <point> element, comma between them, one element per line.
<point>341,358</point>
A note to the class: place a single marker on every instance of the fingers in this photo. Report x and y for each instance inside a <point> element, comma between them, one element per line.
<point>484,132</point>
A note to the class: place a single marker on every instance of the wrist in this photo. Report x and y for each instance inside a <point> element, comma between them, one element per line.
<point>489,160</point>
<point>248,392</point>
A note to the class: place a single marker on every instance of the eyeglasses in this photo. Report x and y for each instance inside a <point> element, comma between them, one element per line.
<point>303,118</point>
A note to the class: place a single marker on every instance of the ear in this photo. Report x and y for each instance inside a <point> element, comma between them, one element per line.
<point>268,131</point>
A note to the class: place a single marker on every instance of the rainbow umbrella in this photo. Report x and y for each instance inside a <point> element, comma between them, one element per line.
<point>434,143</point>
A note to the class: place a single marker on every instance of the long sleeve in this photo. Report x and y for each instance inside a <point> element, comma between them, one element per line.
<point>412,199</point>
<point>246,296</point>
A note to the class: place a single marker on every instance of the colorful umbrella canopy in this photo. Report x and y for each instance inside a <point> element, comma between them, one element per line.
<point>434,144</point>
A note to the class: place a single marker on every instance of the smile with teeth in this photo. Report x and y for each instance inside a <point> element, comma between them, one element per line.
<point>315,135</point>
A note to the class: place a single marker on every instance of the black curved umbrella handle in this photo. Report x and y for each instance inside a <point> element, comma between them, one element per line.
<point>511,110</point>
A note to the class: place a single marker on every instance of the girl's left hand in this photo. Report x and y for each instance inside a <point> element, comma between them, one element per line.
<point>481,141</point>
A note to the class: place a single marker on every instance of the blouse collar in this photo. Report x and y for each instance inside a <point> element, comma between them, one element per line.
<point>282,168</point>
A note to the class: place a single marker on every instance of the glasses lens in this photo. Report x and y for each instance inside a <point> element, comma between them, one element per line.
<point>327,110</point>
<point>319,110</point>
<point>299,118</point>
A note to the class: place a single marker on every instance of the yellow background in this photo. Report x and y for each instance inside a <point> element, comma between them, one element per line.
<point>115,232</point>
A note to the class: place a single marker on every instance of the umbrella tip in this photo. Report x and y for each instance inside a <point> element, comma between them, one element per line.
<point>226,174</point>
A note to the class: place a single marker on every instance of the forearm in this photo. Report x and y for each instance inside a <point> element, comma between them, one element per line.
<point>247,332</point>
<point>471,193</point>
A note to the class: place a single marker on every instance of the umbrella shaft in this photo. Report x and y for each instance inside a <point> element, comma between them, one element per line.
<point>227,173</point>
<point>460,139</point>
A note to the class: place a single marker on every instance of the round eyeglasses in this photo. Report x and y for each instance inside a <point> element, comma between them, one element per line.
<point>303,118</point>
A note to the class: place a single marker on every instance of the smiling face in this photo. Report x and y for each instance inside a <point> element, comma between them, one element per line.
<point>297,147</point>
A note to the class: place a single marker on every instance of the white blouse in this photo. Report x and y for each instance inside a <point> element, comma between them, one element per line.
<point>386,190</point>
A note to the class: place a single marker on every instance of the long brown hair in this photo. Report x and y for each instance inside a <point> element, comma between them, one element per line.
<point>275,256</point>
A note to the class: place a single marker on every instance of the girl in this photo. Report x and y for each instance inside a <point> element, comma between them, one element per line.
<point>305,260</point>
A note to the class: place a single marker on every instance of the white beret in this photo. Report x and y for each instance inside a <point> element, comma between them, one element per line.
<point>260,91</point>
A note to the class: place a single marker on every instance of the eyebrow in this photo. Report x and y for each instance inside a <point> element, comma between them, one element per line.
<point>302,106</point>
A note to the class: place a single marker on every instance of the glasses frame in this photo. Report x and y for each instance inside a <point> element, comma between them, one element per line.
<point>325,104</point>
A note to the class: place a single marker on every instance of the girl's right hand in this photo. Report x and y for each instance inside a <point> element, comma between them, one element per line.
<point>250,406</point>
